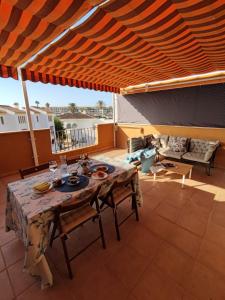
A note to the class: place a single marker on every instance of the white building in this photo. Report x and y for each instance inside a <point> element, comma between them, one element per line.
<point>15,119</point>
<point>79,120</point>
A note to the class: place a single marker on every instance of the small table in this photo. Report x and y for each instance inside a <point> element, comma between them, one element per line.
<point>179,168</point>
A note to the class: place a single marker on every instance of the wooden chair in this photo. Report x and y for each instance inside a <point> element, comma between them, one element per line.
<point>71,216</point>
<point>119,192</point>
<point>28,171</point>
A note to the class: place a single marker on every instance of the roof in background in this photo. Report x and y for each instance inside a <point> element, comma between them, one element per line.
<point>13,109</point>
<point>76,115</point>
<point>42,109</point>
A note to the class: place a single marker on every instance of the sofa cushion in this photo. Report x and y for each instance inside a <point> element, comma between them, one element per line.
<point>195,156</point>
<point>135,144</point>
<point>198,146</point>
<point>177,143</point>
<point>169,153</point>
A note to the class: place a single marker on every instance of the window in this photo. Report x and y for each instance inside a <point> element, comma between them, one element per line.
<point>68,126</point>
<point>37,118</point>
<point>22,119</point>
<point>74,125</point>
<point>2,120</point>
<point>50,118</point>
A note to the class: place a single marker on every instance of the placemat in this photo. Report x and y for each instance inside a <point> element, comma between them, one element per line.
<point>111,168</point>
<point>84,181</point>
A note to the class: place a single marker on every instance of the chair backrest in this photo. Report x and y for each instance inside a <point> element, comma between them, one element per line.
<point>91,199</point>
<point>31,170</point>
<point>73,160</point>
<point>117,184</point>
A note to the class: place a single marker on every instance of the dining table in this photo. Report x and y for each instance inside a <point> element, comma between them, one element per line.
<point>30,214</point>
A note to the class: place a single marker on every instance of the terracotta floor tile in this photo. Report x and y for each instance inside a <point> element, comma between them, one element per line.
<point>154,284</point>
<point>6,292</point>
<point>193,219</point>
<point>13,251</point>
<point>144,242</point>
<point>167,211</point>
<point>6,237</point>
<point>151,202</point>
<point>202,200</point>
<point>20,280</point>
<point>174,262</point>
<point>175,200</point>
<point>185,240</point>
<point>57,292</point>
<point>127,265</point>
<point>188,296</point>
<point>205,284</point>
<point>215,233</point>
<point>99,284</point>
<point>218,217</point>
<point>158,225</point>
<point>212,256</point>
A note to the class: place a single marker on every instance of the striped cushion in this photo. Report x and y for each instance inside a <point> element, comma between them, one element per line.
<point>135,144</point>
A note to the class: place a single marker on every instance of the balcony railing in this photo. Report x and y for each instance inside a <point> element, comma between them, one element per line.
<point>70,139</point>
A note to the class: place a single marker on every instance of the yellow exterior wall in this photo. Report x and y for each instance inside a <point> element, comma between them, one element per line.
<point>125,131</point>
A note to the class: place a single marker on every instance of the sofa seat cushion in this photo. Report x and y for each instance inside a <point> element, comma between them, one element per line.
<point>195,156</point>
<point>169,153</point>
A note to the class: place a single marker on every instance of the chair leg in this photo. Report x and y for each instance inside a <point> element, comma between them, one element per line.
<point>66,257</point>
<point>135,207</point>
<point>116,223</point>
<point>53,234</point>
<point>101,232</point>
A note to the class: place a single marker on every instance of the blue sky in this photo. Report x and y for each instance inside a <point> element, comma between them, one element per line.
<point>56,95</point>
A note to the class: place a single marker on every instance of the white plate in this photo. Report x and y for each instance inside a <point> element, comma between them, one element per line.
<point>100,167</point>
<point>42,192</point>
<point>95,176</point>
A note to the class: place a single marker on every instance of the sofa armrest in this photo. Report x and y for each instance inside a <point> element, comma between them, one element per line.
<point>211,153</point>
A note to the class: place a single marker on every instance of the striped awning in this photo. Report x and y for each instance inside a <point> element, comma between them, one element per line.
<point>129,42</point>
<point>6,72</point>
<point>123,43</point>
<point>26,26</point>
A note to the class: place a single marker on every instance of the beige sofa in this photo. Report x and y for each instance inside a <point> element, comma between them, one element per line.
<point>180,148</point>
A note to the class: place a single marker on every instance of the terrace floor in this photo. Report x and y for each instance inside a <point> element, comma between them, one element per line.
<point>176,251</point>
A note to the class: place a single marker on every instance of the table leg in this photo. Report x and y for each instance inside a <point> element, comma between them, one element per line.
<point>190,173</point>
<point>154,176</point>
<point>183,179</point>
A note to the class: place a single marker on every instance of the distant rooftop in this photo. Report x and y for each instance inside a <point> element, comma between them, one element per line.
<point>76,115</point>
<point>13,109</point>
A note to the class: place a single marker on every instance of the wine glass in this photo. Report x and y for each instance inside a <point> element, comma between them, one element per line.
<point>53,167</point>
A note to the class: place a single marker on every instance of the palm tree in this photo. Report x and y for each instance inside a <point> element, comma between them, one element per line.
<point>16,104</point>
<point>72,107</point>
<point>100,104</point>
<point>47,104</point>
<point>37,103</point>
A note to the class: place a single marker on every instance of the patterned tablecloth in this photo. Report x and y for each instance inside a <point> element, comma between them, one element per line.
<point>30,214</point>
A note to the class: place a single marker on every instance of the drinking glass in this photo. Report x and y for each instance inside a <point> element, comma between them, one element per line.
<point>53,167</point>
